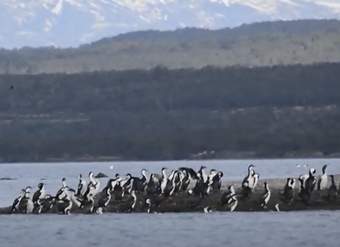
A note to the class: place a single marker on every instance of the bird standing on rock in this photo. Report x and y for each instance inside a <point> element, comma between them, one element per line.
<point>183,190</point>
<point>250,181</point>
<point>26,205</point>
<point>214,181</point>
<point>38,196</point>
<point>63,196</point>
<point>266,196</point>
<point>106,195</point>
<point>289,191</point>
<point>230,199</point>
<point>81,186</point>
<point>323,180</point>
<point>16,202</point>
<point>134,202</point>
<point>165,183</point>
<point>311,181</point>
<point>304,193</point>
<point>332,190</point>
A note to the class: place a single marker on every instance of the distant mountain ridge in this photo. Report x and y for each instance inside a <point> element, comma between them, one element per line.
<point>65,23</point>
<point>260,44</point>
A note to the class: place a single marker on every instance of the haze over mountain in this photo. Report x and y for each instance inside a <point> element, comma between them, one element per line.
<point>73,22</point>
<point>263,44</point>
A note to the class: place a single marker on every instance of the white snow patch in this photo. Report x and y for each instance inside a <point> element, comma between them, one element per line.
<point>58,7</point>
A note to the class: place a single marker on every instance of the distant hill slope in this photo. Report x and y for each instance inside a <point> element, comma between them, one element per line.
<point>280,111</point>
<point>72,22</point>
<point>262,44</point>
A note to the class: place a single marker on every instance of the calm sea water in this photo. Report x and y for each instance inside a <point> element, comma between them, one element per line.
<point>218,229</point>
<point>312,229</point>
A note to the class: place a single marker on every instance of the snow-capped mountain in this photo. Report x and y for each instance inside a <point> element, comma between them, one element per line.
<point>72,22</point>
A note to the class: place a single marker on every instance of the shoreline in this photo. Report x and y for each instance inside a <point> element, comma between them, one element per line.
<point>164,160</point>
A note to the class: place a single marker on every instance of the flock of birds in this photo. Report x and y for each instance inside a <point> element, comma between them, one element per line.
<point>149,190</point>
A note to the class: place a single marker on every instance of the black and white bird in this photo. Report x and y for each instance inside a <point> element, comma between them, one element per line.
<point>207,210</point>
<point>230,199</point>
<point>38,197</point>
<point>202,173</point>
<point>89,197</point>
<point>200,187</point>
<point>153,186</point>
<point>249,183</point>
<point>140,183</point>
<point>289,191</point>
<point>332,190</point>
<point>189,171</point>
<point>182,180</point>
<point>245,182</point>
<point>71,192</point>
<point>64,197</point>
<point>304,193</point>
<point>214,181</point>
<point>94,183</point>
<point>150,206</point>
<point>16,202</point>
<point>189,178</point>
<point>311,181</point>
<point>165,183</point>
<point>63,186</point>
<point>256,177</point>
<point>136,183</point>
<point>176,182</point>
<point>190,181</point>
<point>90,193</point>
<point>251,179</point>
<point>47,203</point>
<point>81,186</point>
<point>134,201</point>
<point>277,207</point>
<point>106,194</point>
<point>266,196</point>
<point>26,204</point>
<point>126,184</point>
<point>117,187</point>
<point>63,182</point>
<point>323,179</point>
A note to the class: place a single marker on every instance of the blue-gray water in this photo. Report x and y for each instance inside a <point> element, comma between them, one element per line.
<point>318,228</point>
<point>313,229</point>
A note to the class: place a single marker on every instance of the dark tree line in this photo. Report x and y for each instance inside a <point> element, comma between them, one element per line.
<point>171,114</point>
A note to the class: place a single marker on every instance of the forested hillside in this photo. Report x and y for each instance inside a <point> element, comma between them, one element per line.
<point>262,44</point>
<point>280,111</point>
